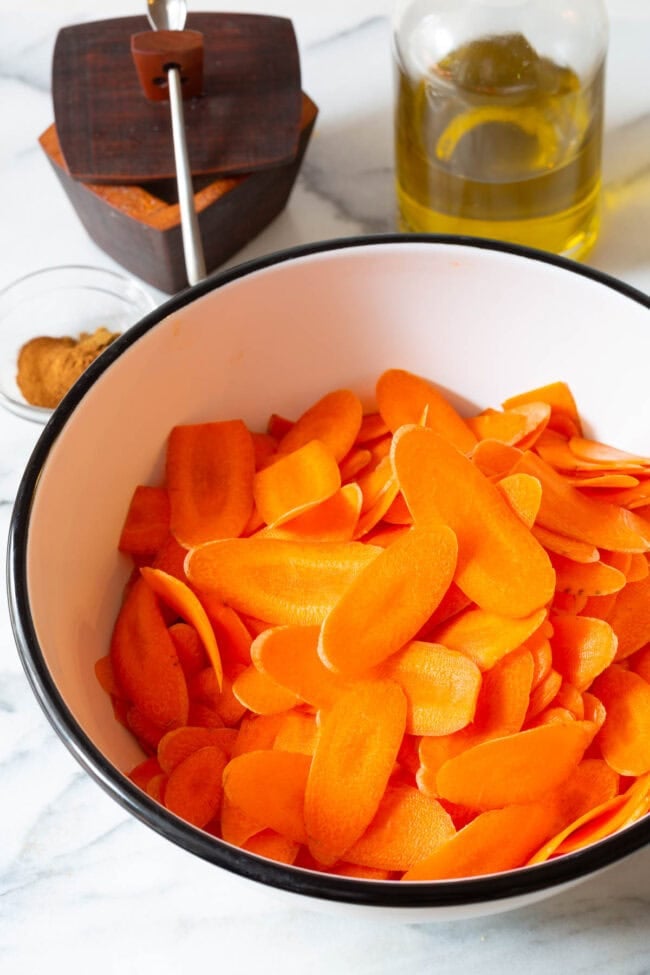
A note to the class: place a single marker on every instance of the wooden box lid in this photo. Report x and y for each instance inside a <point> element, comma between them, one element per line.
<point>247,119</point>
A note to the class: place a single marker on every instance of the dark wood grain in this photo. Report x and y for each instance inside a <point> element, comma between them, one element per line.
<point>246,120</point>
<point>139,226</point>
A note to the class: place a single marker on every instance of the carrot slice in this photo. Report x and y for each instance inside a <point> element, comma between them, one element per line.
<point>177,745</point>
<point>145,662</point>
<point>638,568</point>
<point>411,576</point>
<point>501,566</point>
<point>271,845</point>
<point>289,656</point>
<point>181,598</point>
<point>598,822</point>
<point>194,788</point>
<point>524,495</point>
<point>354,463</point>
<point>630,617</point>
<point>295,483</point>
<point>501,839</point>
<point>640,663</point>
<point>357,746</point>
<point>592,783</point>
<point>624,738</point>
<point>189,647</point>
<point>582,648</point>
<point>257,733</point>
<point>278,580</point>
<point>403,397</point>
<point>144,771</point>
<point>373,426</point>
<point>297,733</point>
<point>335,420</point>
<point>600,453</point>
<point>543,694</point>
<point>406,828</point>
<point>521,424</point>
<point>565,510</point>
<point>586,578</point>
<point>487,637</point>
<point>494,458</point>
<point>269,788</point>
<point>570,548</point>
<point>146,526</point>
<point>209,476</point>
<point>558,396</point>
<point>441,687</point>
<point>260,694</point>
<point>516,768</point>
<point>333,520</point>
<point>505,694</point>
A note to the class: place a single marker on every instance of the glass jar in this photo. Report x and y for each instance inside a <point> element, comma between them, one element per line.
<point>498,121</point>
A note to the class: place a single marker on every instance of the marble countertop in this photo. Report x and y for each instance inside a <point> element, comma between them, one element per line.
<point>82,885</point>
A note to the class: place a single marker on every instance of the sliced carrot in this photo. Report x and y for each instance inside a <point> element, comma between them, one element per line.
<point>582,648</point>
<point>435,750</point>
<point>354,463</point>
<point>570,548</point>
<point>638,568</point>
<point>257,733</point>
<point>640,663</point>
<point>181,598</point>
<point>333,520</point>
<point>232,635</point>
<point>357,746</point>
<point>524,495</point>
<point>494,458</point>
<point>194,787</point>
<point>501,839</point>
<point>504,696</point>
<point>177,745</point>
<point>278,580</point>
<point>487,637</point>
<point>402,397</point>
<point>360,873</point>
<point>146,525</point>
<point>145,662</point>
<point>144,771</point>
<point>441,687</point>
<point>592,783</point>
<point>406,828</point>
<point>539,647</point>
<point>594,709</point>
<point>501,566</point>
<point>156,787</point>
<point>516,768</point>
<point>278,426</point>
<point>411,576</point>
<point>335,420</point>
<point>570,698</point>
<point>264,447</point>
<point>602,481</point>
<point>269,787</point>
<point>565,510</point>
<point>398,512</point>
<point>297,732</point>
<point>558,396</point>
<point>543,693</point>
<point>106,677</point>
<point>586,578</point>
<point>295,483</point>
<point>260,694</point>
<point>516,426</point>
<point>209,476</point>
<point>630,617</point>
<point>600,453</point>
<point>598,822</point>
<point>203,716</point>
<point>624,738</point>
<point>271,845</point>
<point>189,648</point>
<point>453,602</point>
<point>170,558</point>
<point>144,729</point>
<point>234,825</point>
<point>555,451</point>
<point>600,607</point>
<point>372,427</point>
<point>289,656</point>
<point>384,535</point>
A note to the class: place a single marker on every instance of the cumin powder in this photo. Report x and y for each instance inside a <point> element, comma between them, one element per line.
<point>48,367</point>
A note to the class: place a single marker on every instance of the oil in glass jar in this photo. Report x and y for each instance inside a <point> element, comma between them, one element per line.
<point>498,124</point>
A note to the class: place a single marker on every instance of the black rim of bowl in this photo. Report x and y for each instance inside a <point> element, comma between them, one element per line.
<point>322,886</point>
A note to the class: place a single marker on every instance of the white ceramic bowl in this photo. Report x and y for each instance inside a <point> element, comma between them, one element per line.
<point>61,301</point>
<point>481,320</point>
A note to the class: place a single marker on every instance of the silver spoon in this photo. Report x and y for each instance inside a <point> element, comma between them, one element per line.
<point>171,15</point>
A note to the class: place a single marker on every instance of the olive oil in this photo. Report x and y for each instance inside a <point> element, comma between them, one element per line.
<point>499,142</point>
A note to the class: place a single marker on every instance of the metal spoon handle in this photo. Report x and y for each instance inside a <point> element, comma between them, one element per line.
<point>192,245</point>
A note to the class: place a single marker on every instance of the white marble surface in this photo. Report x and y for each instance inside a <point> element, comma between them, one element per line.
<point>82,886</point>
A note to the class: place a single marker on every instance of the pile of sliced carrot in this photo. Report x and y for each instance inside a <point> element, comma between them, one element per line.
<point>397,644</point>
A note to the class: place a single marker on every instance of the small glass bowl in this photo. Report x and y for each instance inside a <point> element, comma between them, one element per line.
<point>58,301</point>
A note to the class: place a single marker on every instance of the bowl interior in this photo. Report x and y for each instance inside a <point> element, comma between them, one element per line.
<point>482,324</point>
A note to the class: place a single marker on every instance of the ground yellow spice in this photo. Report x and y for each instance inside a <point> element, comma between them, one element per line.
<point>48,367</point>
